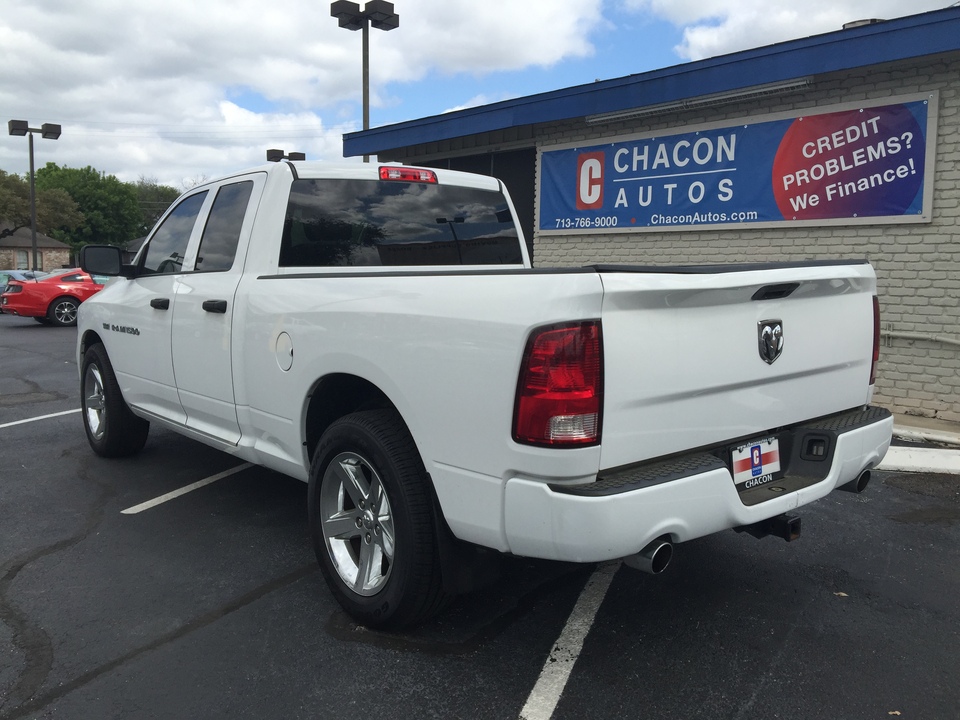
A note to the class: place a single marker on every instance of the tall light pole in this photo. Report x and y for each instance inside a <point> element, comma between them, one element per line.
<point>50,132</point>
<point>378,13</point>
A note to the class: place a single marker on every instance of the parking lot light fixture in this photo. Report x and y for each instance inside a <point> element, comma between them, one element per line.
<point>50,131</point>
<point>378,13</point>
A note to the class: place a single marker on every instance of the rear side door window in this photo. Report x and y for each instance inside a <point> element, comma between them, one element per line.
<point>168,246</point>
<point>221,235</point>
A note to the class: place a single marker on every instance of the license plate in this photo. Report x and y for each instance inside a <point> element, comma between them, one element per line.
<point>755,463</point>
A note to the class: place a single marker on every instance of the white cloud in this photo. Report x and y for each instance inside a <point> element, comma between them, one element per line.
<point>479,37</point>
<point>477,101</point>
<point>157,88</point>
<point>717,27</point>
<point>180,88</point>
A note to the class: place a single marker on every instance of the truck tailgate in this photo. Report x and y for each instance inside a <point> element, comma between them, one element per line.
<point>682,354</point>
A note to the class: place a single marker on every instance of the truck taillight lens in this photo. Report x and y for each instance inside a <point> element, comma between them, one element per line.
<point>406,174</point>
<point>560,392</point>
<point>876,340</point>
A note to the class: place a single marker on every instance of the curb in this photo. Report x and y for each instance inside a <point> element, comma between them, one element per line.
<point>931,436</point>
<point>921,460</point>
<point>942,460</point>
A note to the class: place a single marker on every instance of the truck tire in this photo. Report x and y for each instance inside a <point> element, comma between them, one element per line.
<point>63,311</point>
<point>372,523</point>
<point>112,429</point>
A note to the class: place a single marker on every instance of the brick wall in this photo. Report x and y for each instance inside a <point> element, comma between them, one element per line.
<point>55,259</point>
<point>918,265</point>
<point>48,259</point>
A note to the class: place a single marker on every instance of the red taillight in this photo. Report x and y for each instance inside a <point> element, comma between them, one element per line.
<point>876,340</point>
<point>560,393</point>
<point>407,174</point>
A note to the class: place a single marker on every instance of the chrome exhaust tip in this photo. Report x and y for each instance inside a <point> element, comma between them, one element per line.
<point>653,559</point>
<point>858,485</point>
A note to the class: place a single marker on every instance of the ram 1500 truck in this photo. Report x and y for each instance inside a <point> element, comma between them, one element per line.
<point>378,332</point>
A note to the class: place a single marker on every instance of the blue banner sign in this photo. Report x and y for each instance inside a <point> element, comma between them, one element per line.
<point>866,162</point>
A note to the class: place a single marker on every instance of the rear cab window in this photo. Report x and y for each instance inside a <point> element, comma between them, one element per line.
<point>371,223</point>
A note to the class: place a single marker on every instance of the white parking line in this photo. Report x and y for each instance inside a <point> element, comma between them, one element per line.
<point>546,693</point>
<point>183,491</point>
<point>41,417</point>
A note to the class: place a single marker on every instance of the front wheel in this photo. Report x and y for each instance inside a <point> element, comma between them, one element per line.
<point>112,429</point>
<point>63,312</point>
<point>372,523</point>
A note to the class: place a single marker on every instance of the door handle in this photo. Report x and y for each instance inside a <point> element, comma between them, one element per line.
<point>215,306</point>
<point>160,303</point>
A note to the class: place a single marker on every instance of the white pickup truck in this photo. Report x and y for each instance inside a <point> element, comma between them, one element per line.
<point>378,332</point>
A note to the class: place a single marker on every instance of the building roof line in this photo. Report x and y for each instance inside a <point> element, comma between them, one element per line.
<point>910,37</point>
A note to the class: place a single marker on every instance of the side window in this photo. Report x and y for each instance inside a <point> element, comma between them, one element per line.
<point>71,278</point>
<point>218,246</point>
<point>169,243</point>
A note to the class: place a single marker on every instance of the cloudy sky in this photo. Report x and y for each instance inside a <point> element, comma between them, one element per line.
<point>179,90</point>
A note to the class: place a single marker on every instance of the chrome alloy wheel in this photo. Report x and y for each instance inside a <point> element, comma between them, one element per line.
<point>65,312</point>
<point>357,523</point>
<point>93,402</point>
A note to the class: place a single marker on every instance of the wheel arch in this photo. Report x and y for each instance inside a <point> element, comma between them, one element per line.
<point>335,396</point>
<point>90,337</point>
<point>64,296</point>
<point>463,566</point>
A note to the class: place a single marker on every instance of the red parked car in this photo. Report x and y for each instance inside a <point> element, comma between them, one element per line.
<point>51,300</point>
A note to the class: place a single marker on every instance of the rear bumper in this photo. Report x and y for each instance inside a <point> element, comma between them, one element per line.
<point>12,307</point>
<point>686,498</point>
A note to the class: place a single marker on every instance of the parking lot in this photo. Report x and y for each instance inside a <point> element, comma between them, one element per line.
<point>210,604</point>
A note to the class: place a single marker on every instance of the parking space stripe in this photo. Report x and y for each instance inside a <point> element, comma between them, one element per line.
<point>41,417</point>
<point>184,490</point>
<point>546,693</point>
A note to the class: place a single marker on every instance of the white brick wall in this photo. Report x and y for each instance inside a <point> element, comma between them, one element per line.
<point>918,266</point>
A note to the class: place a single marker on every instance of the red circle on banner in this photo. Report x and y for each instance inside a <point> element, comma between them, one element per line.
<point>849,164</point>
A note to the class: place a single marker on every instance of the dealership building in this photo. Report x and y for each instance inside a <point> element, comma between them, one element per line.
<point>838,146</point>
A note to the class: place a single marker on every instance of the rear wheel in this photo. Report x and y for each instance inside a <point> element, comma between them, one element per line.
<point>372,523</point>
<point>112,429</point>
<point>63,311</point>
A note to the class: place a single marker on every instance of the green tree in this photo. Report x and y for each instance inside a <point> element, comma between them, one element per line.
<point>111,212</point>
<point>154,199</point>
<point>56,210</point>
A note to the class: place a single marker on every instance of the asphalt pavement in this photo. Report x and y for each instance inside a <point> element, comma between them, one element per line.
<point>210,605</point>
